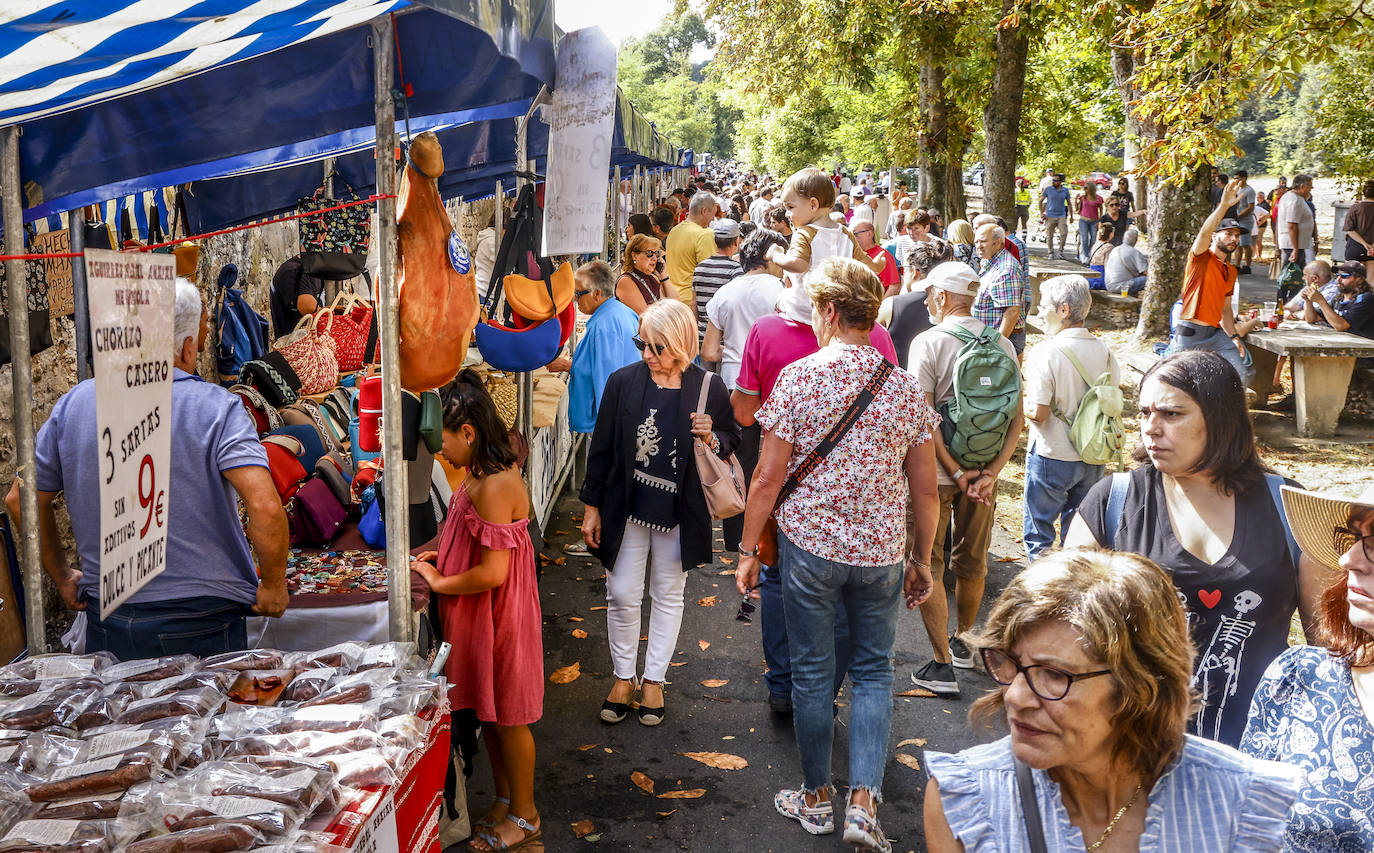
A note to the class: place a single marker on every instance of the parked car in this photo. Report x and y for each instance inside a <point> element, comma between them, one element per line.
<point>974,175</point>
<point>1102,179</point>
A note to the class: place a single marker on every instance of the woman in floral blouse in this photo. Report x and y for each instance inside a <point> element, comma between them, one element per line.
<point>841,536</point>
<point>1315,707</point>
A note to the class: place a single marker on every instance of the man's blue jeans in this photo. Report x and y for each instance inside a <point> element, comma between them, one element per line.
<point>200,626</point>
<point>814,590</point>
<point>773,628</point>
<point>1189,335</point>
<point>1054,489</point>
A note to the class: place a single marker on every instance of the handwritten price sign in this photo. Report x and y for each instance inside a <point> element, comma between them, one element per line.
<point>132,297</point>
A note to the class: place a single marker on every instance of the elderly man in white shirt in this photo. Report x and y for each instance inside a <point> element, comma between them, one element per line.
<point>1126,266</point>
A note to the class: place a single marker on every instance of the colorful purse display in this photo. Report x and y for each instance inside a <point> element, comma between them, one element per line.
<point>311,355</point>
<point>511,348</point>
<point>334,245</point>
<point>530,298</point>
<point>315,514</point>
<point>264,415</point>
<point>273,376</point>
<point>350,325</point>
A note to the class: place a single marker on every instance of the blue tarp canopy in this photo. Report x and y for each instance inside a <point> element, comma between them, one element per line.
<point>476,155</point>
<point>115,100</point>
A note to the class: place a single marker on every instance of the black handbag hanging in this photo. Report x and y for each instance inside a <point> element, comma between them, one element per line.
<point>334,245</point>
<point>36,301</point>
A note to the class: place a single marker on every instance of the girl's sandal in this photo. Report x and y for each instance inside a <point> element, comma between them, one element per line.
<point>487,823</point>
<point>494,844</point>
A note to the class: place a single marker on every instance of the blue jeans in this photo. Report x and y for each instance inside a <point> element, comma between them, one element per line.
<point>1054,489</point>
<point>1087,234</point>
<point>813,592</point>
<point>200,626</point>
<point>1189,335</point>
<point>773,628</point>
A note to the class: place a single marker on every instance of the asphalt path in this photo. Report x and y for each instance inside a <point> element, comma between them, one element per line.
<point>584,768</point>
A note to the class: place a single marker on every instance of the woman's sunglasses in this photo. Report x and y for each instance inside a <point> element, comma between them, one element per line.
<point>653,253</point>
<point>640,344</point>
<point>747,606</point>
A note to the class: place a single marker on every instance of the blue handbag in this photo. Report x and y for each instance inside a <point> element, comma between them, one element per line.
<point>372,526</point>
<point>518,350</point>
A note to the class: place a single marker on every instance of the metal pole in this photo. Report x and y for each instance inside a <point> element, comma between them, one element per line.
<point>619,232</point>
<point>500,214</point>
<point>612,218</point>
<point>76,234</point>
<point>399,608</point>
<point>30,557</point>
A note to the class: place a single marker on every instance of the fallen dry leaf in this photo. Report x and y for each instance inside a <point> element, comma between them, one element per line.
<point>586,746</point>
<point>917,691</point>
<point>908,761</point>
<point>718,760</point>
<point>1007,559</point>
<point>667,814</point>
<point>704,645</point>
<point>599,607</point>
<point>727,561</point>
<point>560,561</point>
<point>566,674</point>
<point>561,532</point>
<point>678,663</point>
<point>693,794</point>
<point>715,682</point>
<point>579,634</point>
<point>642,782</point>
<point>727,573</point>
<point>576,619</point>
<point>708,601</point>
<point>912,741</point>
<point>583,828</point>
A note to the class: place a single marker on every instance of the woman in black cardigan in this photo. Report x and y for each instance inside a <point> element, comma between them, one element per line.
<point>644,504</point>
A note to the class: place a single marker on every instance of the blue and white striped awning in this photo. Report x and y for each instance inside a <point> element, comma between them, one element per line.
<point>56,55</point>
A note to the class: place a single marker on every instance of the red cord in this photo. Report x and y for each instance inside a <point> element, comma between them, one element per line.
<point>400,64</point>
<point>41,257</point>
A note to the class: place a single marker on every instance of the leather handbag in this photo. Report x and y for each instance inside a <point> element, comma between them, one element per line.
<point>372,526</point>
<point>284,463</point>
<point>314,514</point>
<point>303,440</point>
<point>508,347</point>
<point>350,324</point>
<point>768,541</point>
<point>432,421</point>
<point>369,432</point>
<point>532,300</point>
<point>311,355</point>
<point>273,377</point>
<point>722,480</point>
<point>264,415</point>
<point>334,245</point>
<point>334,472</point>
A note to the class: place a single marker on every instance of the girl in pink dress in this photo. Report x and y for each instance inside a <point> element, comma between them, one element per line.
<point>485,577</point>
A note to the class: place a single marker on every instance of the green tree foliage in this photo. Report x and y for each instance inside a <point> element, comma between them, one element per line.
<point>1343,116</point>
<point>1073,116</point>
<point>683,102</point>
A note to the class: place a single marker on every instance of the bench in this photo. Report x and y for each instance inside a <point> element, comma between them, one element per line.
<point>1121,312</point>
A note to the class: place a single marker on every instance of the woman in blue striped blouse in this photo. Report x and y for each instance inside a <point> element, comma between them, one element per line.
<point>1092,651</point>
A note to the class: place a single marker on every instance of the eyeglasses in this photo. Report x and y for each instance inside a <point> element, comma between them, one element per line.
<point>653,253</point>
<point>747,607</point>
<point>640,344</point>
<point>578,294</point>
<point>1345,538</point>
<point>1345,275</point>
<point>1047,682</point>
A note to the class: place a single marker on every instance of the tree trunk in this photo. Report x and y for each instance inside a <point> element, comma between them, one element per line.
<point>932,84</point>
<point>955,204</point>
<point>1002,120</point>
<point>1174,214</point>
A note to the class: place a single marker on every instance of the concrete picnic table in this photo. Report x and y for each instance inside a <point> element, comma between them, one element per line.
<point>1323,360</point>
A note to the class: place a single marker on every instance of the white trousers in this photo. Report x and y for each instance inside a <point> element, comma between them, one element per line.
<point>661,554</point>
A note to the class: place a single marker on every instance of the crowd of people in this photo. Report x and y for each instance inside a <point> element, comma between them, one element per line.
<point>760,323</point>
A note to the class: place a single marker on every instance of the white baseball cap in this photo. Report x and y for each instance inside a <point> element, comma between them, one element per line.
<point>953,276</point>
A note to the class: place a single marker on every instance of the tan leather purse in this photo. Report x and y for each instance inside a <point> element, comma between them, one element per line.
<point>722,480</point>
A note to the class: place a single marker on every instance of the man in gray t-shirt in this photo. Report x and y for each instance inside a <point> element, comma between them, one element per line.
<point>198,604</point>
<point>1243,211</point>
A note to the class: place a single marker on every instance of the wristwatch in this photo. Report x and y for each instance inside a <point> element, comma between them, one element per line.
<point>958,473</point>
<point>746,552</point>
<point>1235,337</point>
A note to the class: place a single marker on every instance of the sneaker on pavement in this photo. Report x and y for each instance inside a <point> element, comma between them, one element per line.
<point>960,652</point>
<point>780,704</point>
<point>817,820</point>
<point>936,677</point>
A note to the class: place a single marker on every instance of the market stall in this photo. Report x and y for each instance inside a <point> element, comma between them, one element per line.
<point>346,747</point>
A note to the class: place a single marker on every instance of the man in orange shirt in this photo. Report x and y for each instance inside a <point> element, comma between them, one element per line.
<point>1207,321</point>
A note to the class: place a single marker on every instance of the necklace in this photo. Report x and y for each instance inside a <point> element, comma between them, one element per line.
<point>1120,812</point>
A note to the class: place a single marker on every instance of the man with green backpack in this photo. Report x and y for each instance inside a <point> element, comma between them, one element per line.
<point>969,372</point>
<point>1074,405</point>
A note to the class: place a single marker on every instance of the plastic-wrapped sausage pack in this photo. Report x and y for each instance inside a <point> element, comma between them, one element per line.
<point>250,750</point>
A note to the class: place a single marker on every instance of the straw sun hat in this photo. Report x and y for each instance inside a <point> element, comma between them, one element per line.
<point>1313,518</point>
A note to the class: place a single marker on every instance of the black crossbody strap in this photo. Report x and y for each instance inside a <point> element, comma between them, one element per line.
<point>1025,786</point>
<point>837,432</point>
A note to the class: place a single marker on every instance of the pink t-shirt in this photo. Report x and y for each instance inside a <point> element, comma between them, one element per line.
<point>1091,207</point>
<point>775,342</point>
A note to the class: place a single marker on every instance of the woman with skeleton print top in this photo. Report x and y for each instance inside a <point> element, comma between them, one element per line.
<point>1203,507</point>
